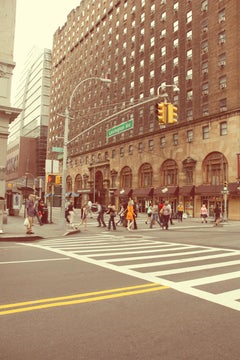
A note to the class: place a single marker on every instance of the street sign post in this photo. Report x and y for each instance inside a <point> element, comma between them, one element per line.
<point>57,149</point>
<point>120,128</point>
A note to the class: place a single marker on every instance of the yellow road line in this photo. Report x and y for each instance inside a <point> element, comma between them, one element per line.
<point>54,302</point>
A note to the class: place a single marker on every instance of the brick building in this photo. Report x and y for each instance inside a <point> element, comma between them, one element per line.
<point>142,46</point>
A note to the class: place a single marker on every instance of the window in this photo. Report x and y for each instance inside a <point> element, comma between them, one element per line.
<point>204,68</point>
<point>175,62</point>
<point>189,16</point>
<point>140,147</point>
<point>175,139</point>
<point>189,136</point>
<point>221,37</point>
<point>130,149</point>
<point>223,128</point>
<point>205,132</point>
<point>189,35</point>
<point>222,60</point>
<point>145,176</point>
<point>189,54</point>
<point>204,47</point>
<point>169,172</point>
<point>204,5</point>
<point>175,26</point>
<point>214,168</point>
<point>189,95</point>
<point>221,16</point>
<point>150,145</point>
<point>126,178</point>
<point>222,82</point>
<point>223,105</point>
<point>163,51</point>
<point>162,141</point>
<point>189,74</point>
<point>205,89</point>
<point>121,151</point>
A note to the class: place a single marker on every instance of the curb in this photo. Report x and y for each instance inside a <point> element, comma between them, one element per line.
<point>21,238</point>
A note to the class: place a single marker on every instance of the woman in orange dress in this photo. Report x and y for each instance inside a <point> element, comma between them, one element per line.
<point>130,215</point>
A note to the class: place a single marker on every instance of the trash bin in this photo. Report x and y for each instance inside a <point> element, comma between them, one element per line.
<point>45,215</point>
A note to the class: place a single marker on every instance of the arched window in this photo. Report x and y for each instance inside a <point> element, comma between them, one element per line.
<point>78,183</point>
<point>215,169</point>
<point>126,178</point>
<point>145,176</point>
<point>69,184</point>
<point>169,173</point>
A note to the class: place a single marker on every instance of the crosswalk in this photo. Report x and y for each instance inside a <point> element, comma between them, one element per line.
<point>208,273</point>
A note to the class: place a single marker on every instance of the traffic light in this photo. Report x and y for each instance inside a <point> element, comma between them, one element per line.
<point>51,179</point>
<point>172,114</point>
<point>161,113</point>
<point>58,179</point>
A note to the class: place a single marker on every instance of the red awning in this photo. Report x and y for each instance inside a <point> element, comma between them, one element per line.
<point>142,192</point>
<point>167,191</point>
<point>187,190</point>
<point>123,192</point>
<point>234,188</point>
<point>208,190</point>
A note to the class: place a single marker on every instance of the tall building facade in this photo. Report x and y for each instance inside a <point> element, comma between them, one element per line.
<point>149,49</point>
<point>27,142</point>
<point>7,112</point>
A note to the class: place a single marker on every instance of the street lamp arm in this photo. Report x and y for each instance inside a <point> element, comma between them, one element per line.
<point>175,88</point>
<point>82,82</point>
<point>112,116</point>
<point>64,166</point>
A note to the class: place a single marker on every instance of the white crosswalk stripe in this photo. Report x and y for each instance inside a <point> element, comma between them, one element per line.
<point>192,269</point>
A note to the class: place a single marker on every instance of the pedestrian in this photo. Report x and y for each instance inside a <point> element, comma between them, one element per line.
<point>30,213</point>
<point>121,214</point>
<point>155,216</point>
<point>217,212</point>
<point>160,206</point>
<point>38,210</point>
<point>112,213</point>
<point>100,217</point>
<point>166,213</point>
<point>130,215</point>
<point>70,211</point>
<point>149,213</point>
<point>180,211</point>
<point>89,204</point>
<point>204,213</point>
<point>84,213</point>
<point>135,214</point>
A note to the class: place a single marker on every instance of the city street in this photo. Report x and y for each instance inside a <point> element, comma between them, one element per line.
<point>145,294</point>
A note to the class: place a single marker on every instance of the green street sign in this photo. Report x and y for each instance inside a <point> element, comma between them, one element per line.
<point>57,149</point>
<point>120,128</point>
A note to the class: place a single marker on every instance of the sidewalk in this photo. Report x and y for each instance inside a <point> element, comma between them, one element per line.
<point>14,230</point>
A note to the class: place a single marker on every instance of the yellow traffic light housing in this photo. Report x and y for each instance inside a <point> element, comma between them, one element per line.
<point>161,113</point>
<point>172,114</point>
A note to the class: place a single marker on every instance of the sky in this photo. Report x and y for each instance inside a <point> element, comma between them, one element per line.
<point>36,22</point>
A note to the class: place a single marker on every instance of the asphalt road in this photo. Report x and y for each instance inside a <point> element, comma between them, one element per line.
<point>122,296</point>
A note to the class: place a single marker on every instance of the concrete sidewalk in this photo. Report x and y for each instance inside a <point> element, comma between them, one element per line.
<point>14,230</point>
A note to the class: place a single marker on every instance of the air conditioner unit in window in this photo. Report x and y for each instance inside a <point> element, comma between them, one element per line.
<point>223,86</point>
<point>221,41</point>
<point>205,92</point>
<point>204,71</point>
<point>222,63</point>
<point>189,139</point>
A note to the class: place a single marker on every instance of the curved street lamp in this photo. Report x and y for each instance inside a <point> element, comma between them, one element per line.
<point>163,87</point>
<point>64,166</point>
